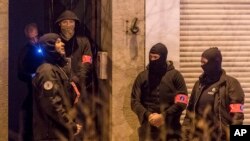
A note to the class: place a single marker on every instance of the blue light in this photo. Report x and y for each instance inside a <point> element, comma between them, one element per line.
<point>39,50</point>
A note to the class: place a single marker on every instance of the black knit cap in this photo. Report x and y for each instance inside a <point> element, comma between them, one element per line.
<point>48,40</point>
<point>160,49</point>
<point>67,15</point>
<point>212,54</point>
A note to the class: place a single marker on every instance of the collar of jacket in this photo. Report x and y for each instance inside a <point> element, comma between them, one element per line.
<point>221,80</point>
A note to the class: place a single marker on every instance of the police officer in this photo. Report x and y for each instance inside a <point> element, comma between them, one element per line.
<point>53,95</point>
<point>78,50</point>
<point>77,47</point>
<point>159,96</point>
<point>216,102</point>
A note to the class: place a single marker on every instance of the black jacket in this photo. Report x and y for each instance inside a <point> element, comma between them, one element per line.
<point>78,48</point>
<point>52,103</point>
<point>29,60</point>
<point>228,92</point>
<point>171,85</point>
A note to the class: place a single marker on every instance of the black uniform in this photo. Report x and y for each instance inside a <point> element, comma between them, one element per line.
<point>227,108</point>
<point>169,98</point>
<point>159,89</point>
<point>53,96</point>
<point>52,104</point>
<point>216,102</point>
<point>78,50</point>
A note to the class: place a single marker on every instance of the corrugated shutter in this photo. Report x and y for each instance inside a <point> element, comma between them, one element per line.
<point>221,23</point>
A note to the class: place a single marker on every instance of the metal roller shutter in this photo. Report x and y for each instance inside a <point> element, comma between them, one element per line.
<point>221,23</point>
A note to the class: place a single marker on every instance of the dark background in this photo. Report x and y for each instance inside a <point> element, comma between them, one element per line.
<point>43,13</point>
<point>21,12</point>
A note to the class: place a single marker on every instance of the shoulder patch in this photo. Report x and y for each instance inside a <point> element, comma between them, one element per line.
<point>48,85</point>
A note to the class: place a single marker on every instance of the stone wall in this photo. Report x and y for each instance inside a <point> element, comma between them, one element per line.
<point>4,70</point>
<point>127,61</point>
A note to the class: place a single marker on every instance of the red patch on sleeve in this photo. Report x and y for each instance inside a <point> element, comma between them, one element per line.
<point>236,108</point>
<point>181,98</point>
<point>86,59</point>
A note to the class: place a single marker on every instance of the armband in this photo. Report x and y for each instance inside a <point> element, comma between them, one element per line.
<point>181,98</point>
<point>86,59</point>
<point>236,108</point>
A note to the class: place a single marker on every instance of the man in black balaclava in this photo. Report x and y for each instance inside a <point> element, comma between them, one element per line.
<point>158,97</point>
<point>216,101</point>
<point>211,65</point>
<point>53,95</point>
<point>157,64</point>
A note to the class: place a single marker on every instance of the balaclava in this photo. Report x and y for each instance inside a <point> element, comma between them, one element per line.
<point>212,69</point>
<point>47,42</point>
<point>157,68</point>
<point>67,31</point>
<point>159,65</point>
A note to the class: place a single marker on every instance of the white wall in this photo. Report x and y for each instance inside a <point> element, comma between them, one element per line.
<point>163,25</point>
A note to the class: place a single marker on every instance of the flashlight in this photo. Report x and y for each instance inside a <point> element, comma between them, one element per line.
<point>39,50</point>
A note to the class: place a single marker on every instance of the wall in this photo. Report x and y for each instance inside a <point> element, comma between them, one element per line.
<point>127,62</point>
<point>162,25</point>
<point>4,67</point>
<point>105,85</point>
